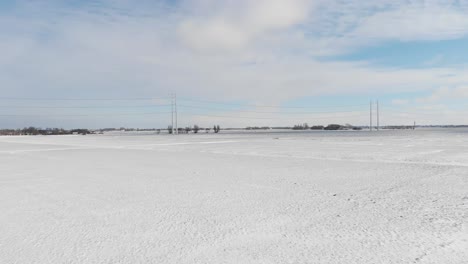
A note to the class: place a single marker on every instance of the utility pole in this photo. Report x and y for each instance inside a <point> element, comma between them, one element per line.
<point>176,123</point>
<point>172,113</point>
<point>378,116</point>
<point>370,114</point>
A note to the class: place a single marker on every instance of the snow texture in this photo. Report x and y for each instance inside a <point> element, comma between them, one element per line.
<point>315,197</point>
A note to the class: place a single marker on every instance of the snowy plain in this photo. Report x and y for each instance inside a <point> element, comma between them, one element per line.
<point>315,197</point>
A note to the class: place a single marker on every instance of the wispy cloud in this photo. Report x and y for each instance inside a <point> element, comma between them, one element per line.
<point>415,22</point>
<point>400,101</point>
<point>458,92</point>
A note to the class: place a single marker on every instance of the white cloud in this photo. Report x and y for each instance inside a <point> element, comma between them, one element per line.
<point>219,50</point>
<point>239,23</point>
<point>342,26</point>
<point>400,101</point>
<point>457,92</point>
<point>414,22</point>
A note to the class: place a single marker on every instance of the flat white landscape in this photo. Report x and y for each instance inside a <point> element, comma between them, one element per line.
<point>316,197</point>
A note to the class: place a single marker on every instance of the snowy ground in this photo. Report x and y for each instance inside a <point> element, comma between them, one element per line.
<point>336,197</point>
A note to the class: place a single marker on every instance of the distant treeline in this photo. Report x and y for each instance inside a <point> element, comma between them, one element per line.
<point>60,131</point>
<point>125,129</point>
<point>195,129</point>
<point>305,126</point>
<point>398,127</point>
<point>257,128</point>
<point>39,131</point>
<point>445,126</point>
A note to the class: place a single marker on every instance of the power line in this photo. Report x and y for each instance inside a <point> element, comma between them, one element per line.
<point>153,98</point>
<point>81,107</point>
<point>79,99</point>
<point>268,106</point>
<point>174,109</point>
<point>269,118</point>
<point>266,112</point>
<point>412,113</point>
<point>68,115</point>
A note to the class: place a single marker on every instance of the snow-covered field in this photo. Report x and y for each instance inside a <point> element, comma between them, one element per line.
<point>336,197</point>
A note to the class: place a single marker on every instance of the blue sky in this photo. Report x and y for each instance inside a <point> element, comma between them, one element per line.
<point>236,63</point>
<point>416,54</point>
